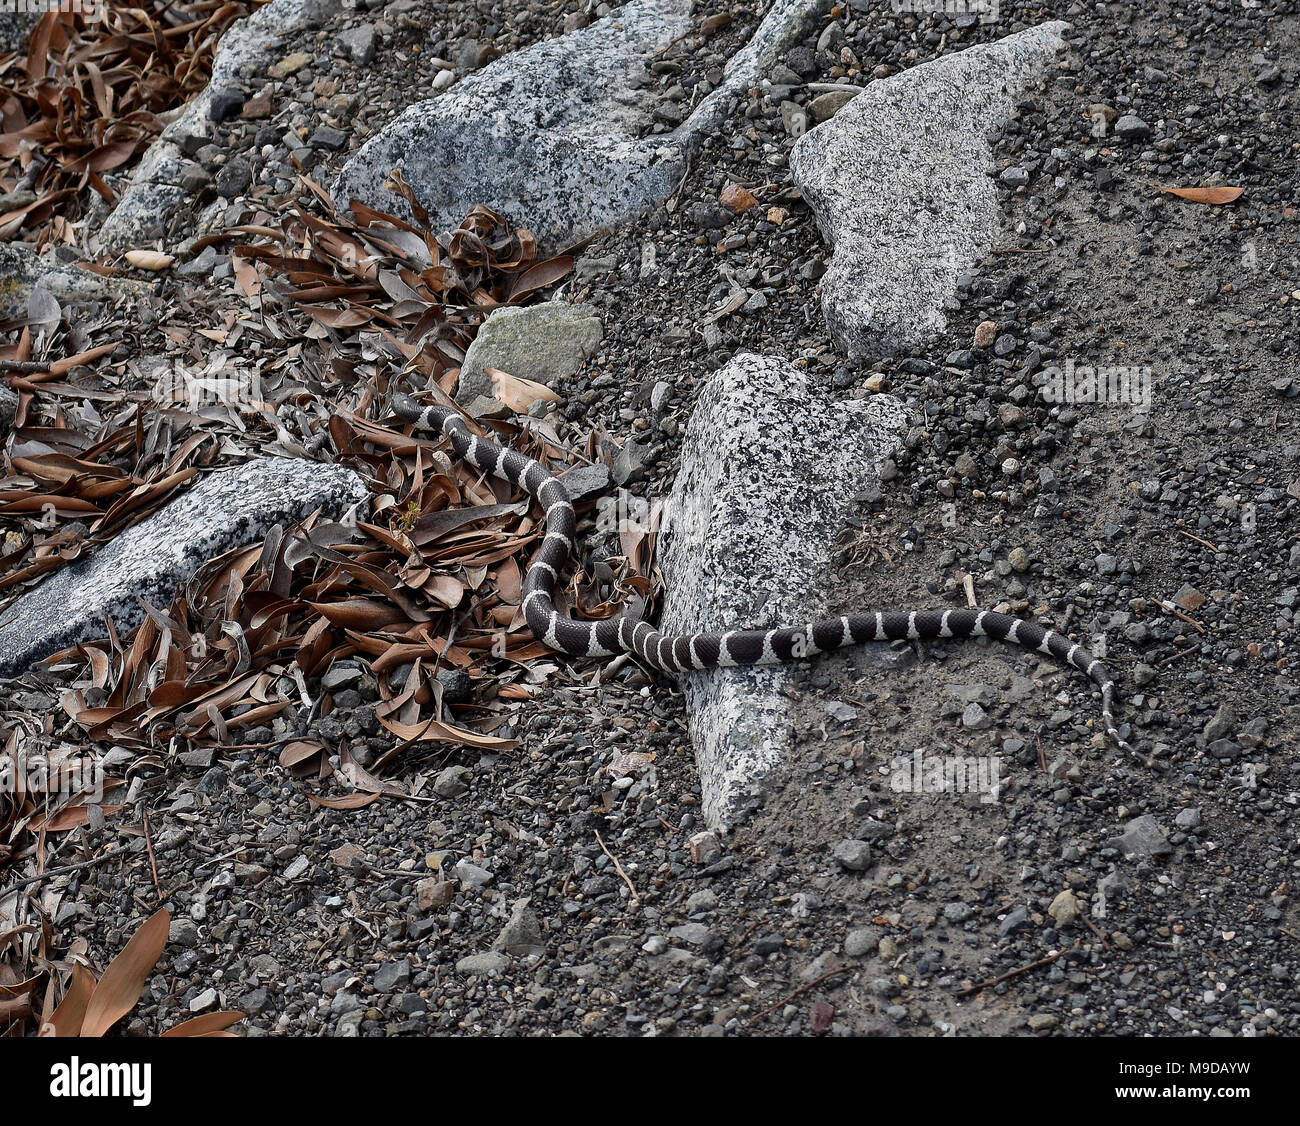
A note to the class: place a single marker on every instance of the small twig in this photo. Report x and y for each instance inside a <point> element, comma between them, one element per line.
<point>1197,539</point>
<point>1093,927</point>
<point>1042,758</point>
<point>799,992</point>
<point>618,868</point>
<point>971,990</point>
<point>1178,656</point>
<point>25,367</point>
<point>1170,608</point>
<point>52,872</point>
<point>153,860</point>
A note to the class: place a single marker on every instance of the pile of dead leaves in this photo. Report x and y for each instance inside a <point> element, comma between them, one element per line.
<point>86,98</point>
<point>49,787</point>
<point>420,293</point>
<point>75,1002</point>
<point>431,581</point>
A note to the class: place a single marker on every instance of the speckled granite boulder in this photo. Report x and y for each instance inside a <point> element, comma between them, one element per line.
<point>538,342</point>
<point>21,271</point>
<point>249,46</point>
<point>150,560</point>
<point>552,135</point>
<point>899,182</point>
<point>769,472</point>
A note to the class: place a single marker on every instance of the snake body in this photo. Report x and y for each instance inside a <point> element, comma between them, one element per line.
<point>688,652</point>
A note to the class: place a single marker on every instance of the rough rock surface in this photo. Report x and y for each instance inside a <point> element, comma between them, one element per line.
<point>15,27</point>
<point>155,191</point>
<point>551,135</point>
<point>22,271</point>
<point>150,560</point>
<point>537,342</point>
<point>768,474</point>
<point>8,408</point>
<point>898,180</point>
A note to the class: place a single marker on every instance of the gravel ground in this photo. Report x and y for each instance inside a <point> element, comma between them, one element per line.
<point>842,905</point>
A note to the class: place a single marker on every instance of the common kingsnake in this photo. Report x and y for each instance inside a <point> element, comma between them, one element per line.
<point>735,647</point>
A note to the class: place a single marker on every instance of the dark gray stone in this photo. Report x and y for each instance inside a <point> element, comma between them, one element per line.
<point>1143,838</point>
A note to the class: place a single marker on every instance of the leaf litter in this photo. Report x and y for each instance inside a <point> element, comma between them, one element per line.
<point>326,316</point>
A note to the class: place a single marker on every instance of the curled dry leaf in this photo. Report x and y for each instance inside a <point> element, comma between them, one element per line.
<point>1213,196</point>
<point>149,260</point>
<point>517,393</point>
<point>209,1024</point>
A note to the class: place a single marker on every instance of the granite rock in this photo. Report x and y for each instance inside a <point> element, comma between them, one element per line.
<point>899,182</point>
<point>150,560</point>
<point>747,541</point>
<point>553,136</point>
<point>537,342</point>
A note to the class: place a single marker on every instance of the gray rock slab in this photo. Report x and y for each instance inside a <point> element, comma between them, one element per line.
<point>537,342</point>
<point>151,559</point>
<point>16,27</point>
<point>22,271</point>
<point>899,182</point>
<point>247,48</point>
<point>551,136</point>
<point>769,472</point>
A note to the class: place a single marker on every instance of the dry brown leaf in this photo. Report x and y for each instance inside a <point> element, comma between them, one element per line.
<point>517,393</point>
<point>1213,196</point>
<point>68,1018</point>
<point>209,1024</point>
<point>151,260</point>
<point>119,989</point>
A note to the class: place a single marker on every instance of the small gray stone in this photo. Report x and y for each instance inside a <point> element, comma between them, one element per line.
<point>629,465</point>
<point>694,934</point>
<point>233,178</point>
<point>1219,726</point>
<point>1014,919</point>
<point>359,42</point>
<point>957,912</point>
<point>541,343</point>
<point>522,929</point>
<point>861,942</point>
<point>1189,818</point>
<point>1133,128</point>
<point>392,976</point>
<point>585,481</point>
<point>825,106</point>
<point>452,782</point>
<point>183,932</point>
<point>472,875</point>
<point>1142,839</point>
<point>855,856</point>
<point>479,965</point>
<point>701,901</point>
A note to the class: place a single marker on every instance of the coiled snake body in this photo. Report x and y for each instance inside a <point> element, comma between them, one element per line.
<point>735,647</point>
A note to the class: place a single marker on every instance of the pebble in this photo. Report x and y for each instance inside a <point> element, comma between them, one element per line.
<point>855,856</point>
